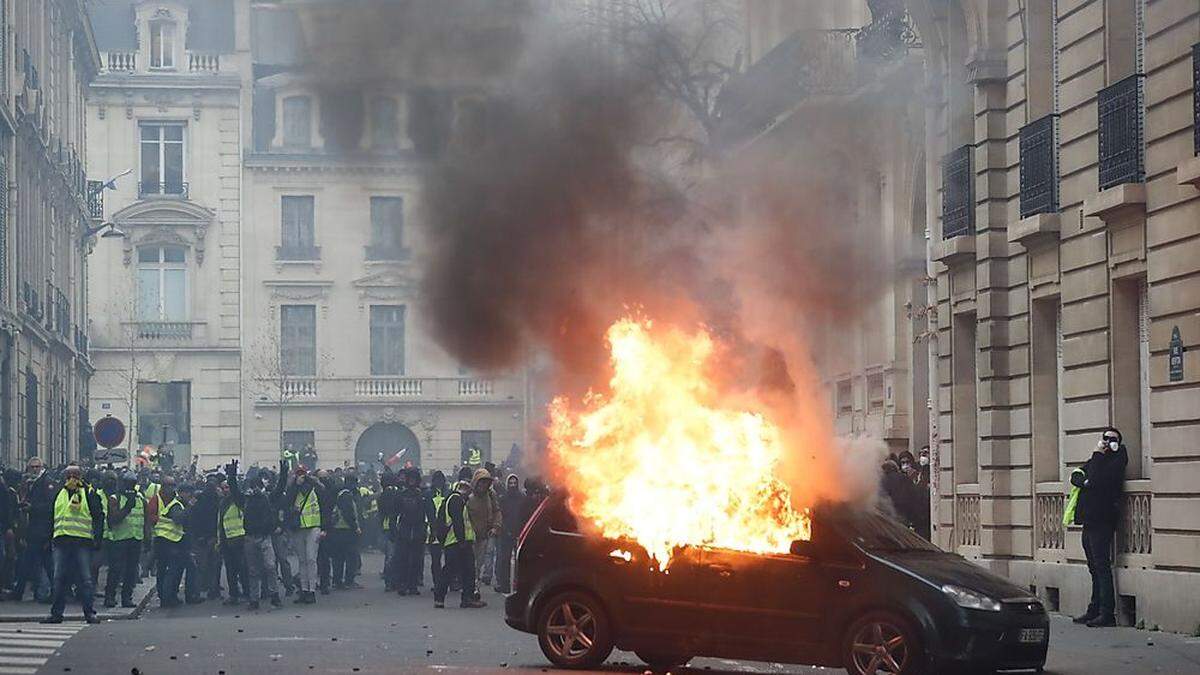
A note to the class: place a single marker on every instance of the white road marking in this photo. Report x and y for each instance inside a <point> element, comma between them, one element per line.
<point>26,647</point>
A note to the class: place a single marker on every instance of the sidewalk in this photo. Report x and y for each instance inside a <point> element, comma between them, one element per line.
<point>1095,651</point>
<point>30,610</point>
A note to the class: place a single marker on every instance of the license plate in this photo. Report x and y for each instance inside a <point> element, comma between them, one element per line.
<point>1034,635</point>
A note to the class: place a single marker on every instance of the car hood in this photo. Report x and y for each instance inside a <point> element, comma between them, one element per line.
<point>940,568</point>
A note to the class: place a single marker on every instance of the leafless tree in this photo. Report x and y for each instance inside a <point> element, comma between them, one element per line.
<point>687,49</point>
<point>128,370</point>
<point>273,376</point>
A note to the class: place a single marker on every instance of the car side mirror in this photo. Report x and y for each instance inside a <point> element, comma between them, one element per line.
<point>805,548</point>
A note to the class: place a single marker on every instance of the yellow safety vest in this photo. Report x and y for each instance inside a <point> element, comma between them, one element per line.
<point>372,505</point>
<point>468,529</point>
<point>438,498</point>
<point>132,527</point>
<point>107,535</point>
<point>309,506</point>
<point>72,515</point>
<point>233,522</point>
<point>166,528</point>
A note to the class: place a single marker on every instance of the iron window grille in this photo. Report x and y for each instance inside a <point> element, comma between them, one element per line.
<point>1196,97</point>
<point>1121,122</point>
<point>958,198</point>
<point>1039,166</point>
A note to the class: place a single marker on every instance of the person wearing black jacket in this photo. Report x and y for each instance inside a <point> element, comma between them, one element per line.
<point>343,536</point>
<point>388,510</point>
<point>231,536</point>
<point>37,506</point>
<point>260,522</point>
<point>202,536</point>
<point>512,521</point>
<point>127,523</point>
<point>78,530</point>
<point>458,548</point>
<point>1100,484</point>
<point>411,530</point>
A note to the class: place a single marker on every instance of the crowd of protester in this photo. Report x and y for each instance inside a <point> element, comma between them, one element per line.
<point>255,536</point>
<point>905,487</point>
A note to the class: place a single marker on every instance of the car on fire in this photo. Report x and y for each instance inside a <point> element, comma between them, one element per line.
<point>864,593</point>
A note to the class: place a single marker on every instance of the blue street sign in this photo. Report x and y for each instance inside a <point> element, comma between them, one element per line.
<point>109,432</point>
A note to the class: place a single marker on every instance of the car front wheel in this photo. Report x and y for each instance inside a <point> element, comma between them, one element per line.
<point>882,643</point>
<point>573,631</point>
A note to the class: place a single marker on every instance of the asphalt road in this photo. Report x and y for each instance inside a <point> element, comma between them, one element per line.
<point>367,631</point>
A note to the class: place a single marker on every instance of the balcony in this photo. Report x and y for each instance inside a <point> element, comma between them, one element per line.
<point>297,253</point>
<point>398,389</point>
<point>163,331</point>
<point>1039,167</point>
<point>889,36</point>
<point>1121,120</point>
<point>377,253</point>
<point>958,193</point>
<point>203,63</point>
<point>173,189</point>
<point>120,62</point>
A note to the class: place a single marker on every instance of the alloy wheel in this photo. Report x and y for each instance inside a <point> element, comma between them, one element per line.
<point>880,647</point>
<point>571,630</point>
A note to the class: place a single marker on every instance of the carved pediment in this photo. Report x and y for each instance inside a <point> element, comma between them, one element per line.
<point>291,292</point>
<point>386,285</point>
<point>160,221</point>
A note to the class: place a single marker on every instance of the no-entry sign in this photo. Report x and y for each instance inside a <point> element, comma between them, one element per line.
<point>109,432</point>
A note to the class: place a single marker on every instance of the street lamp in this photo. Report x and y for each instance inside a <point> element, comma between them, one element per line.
<point>111,231</point>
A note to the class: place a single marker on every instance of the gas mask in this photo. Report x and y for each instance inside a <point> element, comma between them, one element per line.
<point>924,460</point>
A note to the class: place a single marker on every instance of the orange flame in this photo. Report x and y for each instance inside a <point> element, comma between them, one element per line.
<point>664,461</point>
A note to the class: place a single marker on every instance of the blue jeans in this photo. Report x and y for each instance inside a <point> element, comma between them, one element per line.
<point>72,564</point>
<point>171,558</point>
<point>35,569</point>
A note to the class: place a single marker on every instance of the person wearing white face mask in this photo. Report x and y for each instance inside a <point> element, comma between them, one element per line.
<point>1100,481</point>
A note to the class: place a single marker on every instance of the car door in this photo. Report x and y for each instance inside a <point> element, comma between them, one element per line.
<point>668,602</point>
<point>771,604</point>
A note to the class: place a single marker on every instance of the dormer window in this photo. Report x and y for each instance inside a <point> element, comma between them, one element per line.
<point>162,44</point>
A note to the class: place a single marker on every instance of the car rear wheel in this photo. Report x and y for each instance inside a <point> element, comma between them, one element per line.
<point>573,631</point>
<point>882,643</point>
<point>663,661</point>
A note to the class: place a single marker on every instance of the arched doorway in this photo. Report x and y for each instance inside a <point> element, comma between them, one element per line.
<point>388,438</point>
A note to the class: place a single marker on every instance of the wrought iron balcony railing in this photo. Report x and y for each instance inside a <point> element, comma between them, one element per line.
<point>170,189</point>
<point>297,253</point>
<point>890,35</point>
<point>958,193</point>
<point>164,330</point>
<point>1039,166</point>
<point>95,199</point>
<point>1121,120</point>
<point>1196,96</point>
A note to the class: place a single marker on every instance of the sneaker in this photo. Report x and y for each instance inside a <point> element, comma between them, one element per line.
<point>472,604</point>
<point>438,604</point>
<point>1102,621</point>
<point>52,619</point>
<point>1085,617</point>
<point>253,604</point>
<point>91,618</point>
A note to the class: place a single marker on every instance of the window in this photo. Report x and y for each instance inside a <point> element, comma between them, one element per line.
<point>875,392</point>
<point>1130,335</point>
<point>297,121</point>
<point>387,229</point>
<point>476,440</point>
<point>1045,366</point>
<point>298,340</point>
<point>385,123</point>
<point>964,421</point>
<point>164,417</point>
<point>31,414</point>
<point>387,339</point>
<point>296,228</point>
<point>298,441</point>
<point>845,396</point>
<point>162,283</point>
<point>162,44</point>
<point>162,159</point>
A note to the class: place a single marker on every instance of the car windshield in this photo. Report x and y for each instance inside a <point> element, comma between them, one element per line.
<point>876,532</point>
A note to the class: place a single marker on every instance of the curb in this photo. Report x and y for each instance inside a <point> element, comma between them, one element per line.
<point>133,613</point>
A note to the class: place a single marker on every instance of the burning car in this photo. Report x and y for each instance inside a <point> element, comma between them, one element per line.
<point>862,592</point>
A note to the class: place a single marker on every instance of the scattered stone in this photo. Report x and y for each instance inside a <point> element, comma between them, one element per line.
<point>1149,642</point>
<point>151,648</point>
<point>504,664</point>
<point>428,652</point>
<point>333,639</point>
<point>193,637</point>
<point>241,630</point>
<point>173,657</point>
<point>276,657</point>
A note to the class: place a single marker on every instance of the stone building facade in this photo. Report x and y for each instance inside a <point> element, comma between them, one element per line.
<point>165,114</point>
<point>1061,145</point>
<point>47,58</point>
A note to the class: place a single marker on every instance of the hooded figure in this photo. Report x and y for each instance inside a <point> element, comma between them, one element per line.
<point>512,509</point>
<point>483,506</point>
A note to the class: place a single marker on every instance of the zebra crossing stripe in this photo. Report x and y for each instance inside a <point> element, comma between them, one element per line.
<point>26,647</point>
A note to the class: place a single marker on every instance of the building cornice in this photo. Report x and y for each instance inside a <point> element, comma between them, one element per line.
<point>294,163</point>
<point>219,82</point>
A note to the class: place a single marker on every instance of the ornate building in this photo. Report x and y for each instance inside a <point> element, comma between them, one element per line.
<point>165,115</point>
<point>46,228</point>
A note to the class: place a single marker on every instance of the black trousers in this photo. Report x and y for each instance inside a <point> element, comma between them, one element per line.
<point>460,561</point>
<point>343,555</point>
<point>504,550</point>
<point>207,561</point>
<point>409,560</point>
<point>1097,546</point>
<point>435,562</point>
<point>123,557</point>
<point>233,553</point>
<point>324,562</point>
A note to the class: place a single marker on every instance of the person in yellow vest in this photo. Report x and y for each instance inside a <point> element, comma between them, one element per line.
<point>78,528</point>
<point>231,531</point>
<point>343,537</point>
<point>433,506</point>
<point>302,500</point>
<point>123,540</point>
<point>458,538</point>
<point>170,552</point>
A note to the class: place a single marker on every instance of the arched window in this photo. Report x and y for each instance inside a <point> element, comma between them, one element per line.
<point>162,283</point>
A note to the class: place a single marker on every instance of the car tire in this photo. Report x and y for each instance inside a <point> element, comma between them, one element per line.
<point>573,630</point>
<point>663,661</point>
<point>882,642</point>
